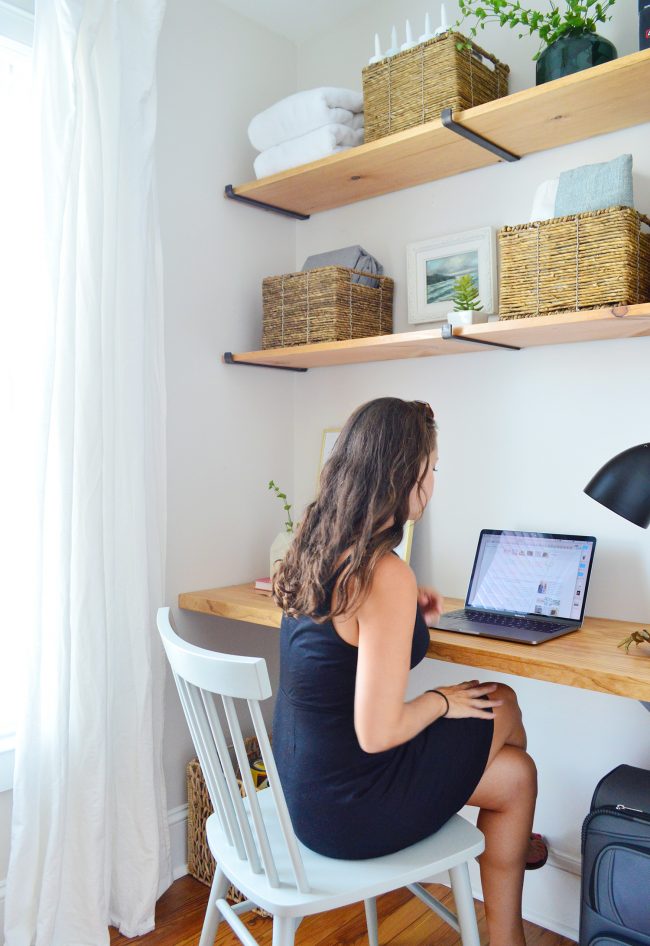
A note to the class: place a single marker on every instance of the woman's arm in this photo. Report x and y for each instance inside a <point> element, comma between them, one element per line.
<point>386,620</point>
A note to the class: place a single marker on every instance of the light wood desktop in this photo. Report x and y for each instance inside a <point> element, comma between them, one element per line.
<point>588,658</point>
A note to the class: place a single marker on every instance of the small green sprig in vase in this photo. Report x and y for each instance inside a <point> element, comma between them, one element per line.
<point>288,525</point>
<point>283,539</point>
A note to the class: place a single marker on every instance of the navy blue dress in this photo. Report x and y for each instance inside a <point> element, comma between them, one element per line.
<point>345,802</point>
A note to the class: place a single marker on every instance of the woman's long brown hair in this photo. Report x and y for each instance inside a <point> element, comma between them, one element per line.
<point>377,460</point>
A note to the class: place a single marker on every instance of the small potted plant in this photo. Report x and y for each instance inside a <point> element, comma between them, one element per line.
<point>568,39</point>
<point>284,538</point>
<point>467,305</point>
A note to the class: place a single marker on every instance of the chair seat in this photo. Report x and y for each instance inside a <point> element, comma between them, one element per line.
<point>334,882</point>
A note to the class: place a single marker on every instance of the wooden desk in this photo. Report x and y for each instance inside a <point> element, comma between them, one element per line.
<point>588,658</point>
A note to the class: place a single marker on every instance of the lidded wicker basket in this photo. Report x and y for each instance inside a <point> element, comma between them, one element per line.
<point>325,305</point>
<point>582,261</point>
<point>414,86</point>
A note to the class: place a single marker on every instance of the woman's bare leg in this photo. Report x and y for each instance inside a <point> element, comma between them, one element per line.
<point>506,796</point>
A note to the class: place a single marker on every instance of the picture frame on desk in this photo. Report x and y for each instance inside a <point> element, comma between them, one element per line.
<point>433,265</point>
<point>330,435</point>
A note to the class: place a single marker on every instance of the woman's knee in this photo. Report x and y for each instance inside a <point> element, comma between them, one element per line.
<point>505,693</point>
<point>508,723</point>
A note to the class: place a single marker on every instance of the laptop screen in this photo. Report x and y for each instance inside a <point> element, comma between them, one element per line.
<point>531,573</point>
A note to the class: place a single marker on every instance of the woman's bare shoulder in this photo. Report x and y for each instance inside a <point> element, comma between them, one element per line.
<point>391,565</point>
<point>392,576</point>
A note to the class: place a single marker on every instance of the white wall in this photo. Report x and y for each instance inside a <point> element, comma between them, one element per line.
<point>229,428</point>
<point>520,433</point>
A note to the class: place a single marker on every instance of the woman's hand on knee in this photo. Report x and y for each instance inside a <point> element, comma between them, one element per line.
<point>470,699</point>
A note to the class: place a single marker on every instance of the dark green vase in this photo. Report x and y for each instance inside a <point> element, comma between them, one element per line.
<point>572,53</point>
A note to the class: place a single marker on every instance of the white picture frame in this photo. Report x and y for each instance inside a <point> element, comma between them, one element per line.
<point>432,265</point>
<point>330,435</point>
<point>329,439</point>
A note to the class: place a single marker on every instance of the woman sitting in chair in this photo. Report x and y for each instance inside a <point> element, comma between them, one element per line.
<point>366,773</point>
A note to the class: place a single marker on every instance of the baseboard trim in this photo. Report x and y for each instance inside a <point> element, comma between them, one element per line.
<point>177,821</point>
<point>550,924</point>
<point>562,861</point>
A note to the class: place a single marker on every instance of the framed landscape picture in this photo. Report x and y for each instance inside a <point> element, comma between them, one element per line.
<point>432,267</point>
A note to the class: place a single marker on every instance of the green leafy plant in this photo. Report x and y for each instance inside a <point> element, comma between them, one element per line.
<point>465,294</point>
<point>285,505</point>
<point>579,16</point>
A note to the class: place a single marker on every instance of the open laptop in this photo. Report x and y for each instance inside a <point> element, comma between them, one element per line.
<point>525,586</point>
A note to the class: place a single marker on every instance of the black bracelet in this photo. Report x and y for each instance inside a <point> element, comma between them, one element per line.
<point>440,693</point>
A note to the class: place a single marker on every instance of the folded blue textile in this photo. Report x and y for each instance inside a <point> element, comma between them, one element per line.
<point>353,257</point>
<point>595,187</point>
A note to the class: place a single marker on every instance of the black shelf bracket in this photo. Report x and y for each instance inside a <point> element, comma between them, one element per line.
<point>229,360</point>
<point>231,194</point>
<point>454,126</point>
<point>448,332</point>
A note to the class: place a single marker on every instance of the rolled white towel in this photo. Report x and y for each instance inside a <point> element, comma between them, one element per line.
<point>544,200</point>
<point>310,147</point>
<point>301,113</point>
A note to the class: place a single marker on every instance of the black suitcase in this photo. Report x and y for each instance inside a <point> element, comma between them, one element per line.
<point>615,899</point>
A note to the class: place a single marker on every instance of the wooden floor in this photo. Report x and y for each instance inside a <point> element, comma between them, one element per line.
<point>403,921</point>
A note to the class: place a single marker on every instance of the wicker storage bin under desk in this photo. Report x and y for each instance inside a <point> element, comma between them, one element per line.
<point>413,87</point>
<point>200,862</point>
<point>324,305</point>
<point>584,261</point>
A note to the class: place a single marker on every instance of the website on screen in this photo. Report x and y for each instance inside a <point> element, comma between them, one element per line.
<point>531,574</point>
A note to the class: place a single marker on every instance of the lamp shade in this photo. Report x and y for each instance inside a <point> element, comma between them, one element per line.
<point>623,485</point>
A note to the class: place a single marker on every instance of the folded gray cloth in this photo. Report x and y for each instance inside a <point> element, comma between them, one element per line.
<point>354,257</point>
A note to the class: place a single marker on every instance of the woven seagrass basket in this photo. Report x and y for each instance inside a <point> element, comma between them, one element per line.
<point>413,87</point>
<point>200,862</point>
<point>584,261</point>
<point>324,305</point>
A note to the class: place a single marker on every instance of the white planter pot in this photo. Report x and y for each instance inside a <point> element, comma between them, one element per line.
<point>466,317</point>
<point>279,548</point>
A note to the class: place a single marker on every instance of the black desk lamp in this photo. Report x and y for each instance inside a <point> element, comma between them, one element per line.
<point>623,485</point>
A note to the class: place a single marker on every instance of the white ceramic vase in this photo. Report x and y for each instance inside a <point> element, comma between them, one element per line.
<point>279,547</point>
<point>466,317</point>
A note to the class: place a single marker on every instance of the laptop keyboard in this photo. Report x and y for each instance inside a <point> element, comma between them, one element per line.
<point>507,620</point>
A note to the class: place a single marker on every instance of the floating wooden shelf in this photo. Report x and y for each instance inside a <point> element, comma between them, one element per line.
<point>593,325</point>
<point>590,658</point>
<point>592,102</point>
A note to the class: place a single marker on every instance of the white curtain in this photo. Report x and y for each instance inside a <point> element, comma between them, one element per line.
<point>89,837</point>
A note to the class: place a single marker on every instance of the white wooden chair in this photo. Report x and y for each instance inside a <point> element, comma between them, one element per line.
<point>252,839</point>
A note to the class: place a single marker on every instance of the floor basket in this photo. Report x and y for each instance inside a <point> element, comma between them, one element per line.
<point>200,862</point>
<point>584,261</point>
<point>413,87</point>
<point>324,305</point>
